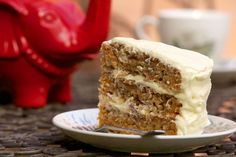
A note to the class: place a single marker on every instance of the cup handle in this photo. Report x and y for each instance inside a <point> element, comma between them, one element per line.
<point>139,28</point>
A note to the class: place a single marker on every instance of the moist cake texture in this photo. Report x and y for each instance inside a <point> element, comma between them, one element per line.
<point>149,85</point>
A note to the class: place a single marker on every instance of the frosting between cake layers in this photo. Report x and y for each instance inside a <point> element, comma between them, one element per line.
<point>193,116</point>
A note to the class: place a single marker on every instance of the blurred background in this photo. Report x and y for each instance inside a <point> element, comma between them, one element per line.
<point>126,14</point>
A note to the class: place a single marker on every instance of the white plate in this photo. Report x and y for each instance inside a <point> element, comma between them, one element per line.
<point>224,71</point>
<point>75,123</point>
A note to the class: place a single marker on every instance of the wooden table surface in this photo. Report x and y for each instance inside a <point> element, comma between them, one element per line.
<point>30,132</point>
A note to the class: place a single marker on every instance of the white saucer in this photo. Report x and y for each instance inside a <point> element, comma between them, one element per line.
<point>75,124</point>
<point>224,71</point>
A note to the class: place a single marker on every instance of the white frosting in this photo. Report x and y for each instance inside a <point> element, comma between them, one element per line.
<point>115,101</point>
<point>195,70</point>
<point>188,62</point>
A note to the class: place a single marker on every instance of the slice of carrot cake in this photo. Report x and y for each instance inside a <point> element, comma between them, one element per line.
<point>149,86</point>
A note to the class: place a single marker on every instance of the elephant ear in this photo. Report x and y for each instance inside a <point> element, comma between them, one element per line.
<point>11,38</point>
<point>16,5</point>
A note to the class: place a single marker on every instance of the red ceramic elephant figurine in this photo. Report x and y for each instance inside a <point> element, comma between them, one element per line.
<point>42,41</point>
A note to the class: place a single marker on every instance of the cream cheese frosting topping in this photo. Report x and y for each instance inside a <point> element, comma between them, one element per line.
<point>188,62</point>
<point>195,70</point>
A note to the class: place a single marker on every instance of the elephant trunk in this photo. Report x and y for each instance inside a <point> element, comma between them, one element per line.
<point>94,29</point>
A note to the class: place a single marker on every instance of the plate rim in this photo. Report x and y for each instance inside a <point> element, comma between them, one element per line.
<point>160,137</point>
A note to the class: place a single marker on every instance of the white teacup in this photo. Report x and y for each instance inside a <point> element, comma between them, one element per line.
<point>201,31</point>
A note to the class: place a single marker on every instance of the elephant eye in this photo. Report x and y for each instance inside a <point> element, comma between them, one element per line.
<point>49,17</point>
